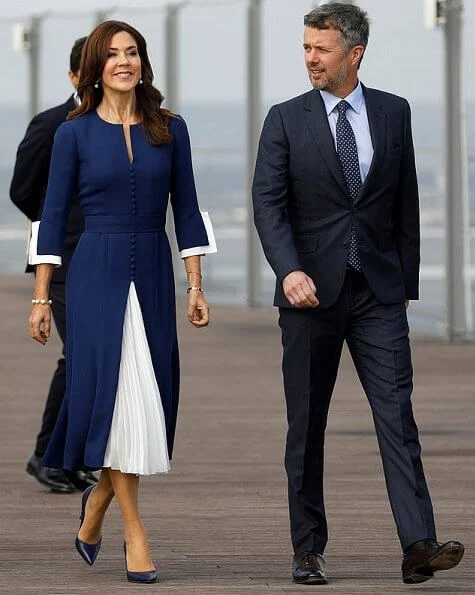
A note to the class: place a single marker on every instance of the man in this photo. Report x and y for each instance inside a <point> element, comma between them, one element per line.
<point>336,207</point>
<point>28,191</point>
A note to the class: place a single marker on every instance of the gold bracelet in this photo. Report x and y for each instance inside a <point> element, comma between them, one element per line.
<point>194,288</point>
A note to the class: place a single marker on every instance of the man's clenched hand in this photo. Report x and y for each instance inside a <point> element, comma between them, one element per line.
<point>300,290</point>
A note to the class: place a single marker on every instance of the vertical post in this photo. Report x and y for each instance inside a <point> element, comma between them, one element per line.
<point>171,57</point>
<point>459,311</point>
<point>100,16</point>
<point>172,60</point>
<point>253,256</point>
<point>34,41</point>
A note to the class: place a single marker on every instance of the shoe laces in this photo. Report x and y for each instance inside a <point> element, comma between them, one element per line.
<point>312,559</point>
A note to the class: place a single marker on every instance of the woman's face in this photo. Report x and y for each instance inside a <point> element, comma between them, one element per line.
<point>123,66</point>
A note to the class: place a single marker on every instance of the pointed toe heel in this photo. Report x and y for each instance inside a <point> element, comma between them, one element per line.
<point>87,551</point>
<point>149,576</point>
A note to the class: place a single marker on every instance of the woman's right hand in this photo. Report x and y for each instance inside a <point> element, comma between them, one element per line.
<point>40,323</point>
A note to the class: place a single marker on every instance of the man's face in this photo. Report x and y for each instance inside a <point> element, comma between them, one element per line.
<point>74,78</point>
<point>326,58</point>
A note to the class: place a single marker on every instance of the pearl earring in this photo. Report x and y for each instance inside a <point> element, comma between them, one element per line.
<point>96,85</point>
<point>140,82</point>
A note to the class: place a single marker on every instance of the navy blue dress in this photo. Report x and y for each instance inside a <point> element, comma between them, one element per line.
<point>124,240</point>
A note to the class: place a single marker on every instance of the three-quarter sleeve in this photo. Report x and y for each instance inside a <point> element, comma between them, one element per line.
<point>194,232</point>
<point>61,185</point>
<point>33,256</point>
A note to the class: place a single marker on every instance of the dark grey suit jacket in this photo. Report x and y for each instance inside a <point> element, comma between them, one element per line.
<point>303,210</point>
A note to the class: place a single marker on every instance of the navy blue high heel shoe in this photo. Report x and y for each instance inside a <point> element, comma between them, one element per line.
<point>88,551</point>
<point>149,576</point>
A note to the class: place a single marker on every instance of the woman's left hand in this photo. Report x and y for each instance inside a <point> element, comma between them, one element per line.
<point>198,309</point>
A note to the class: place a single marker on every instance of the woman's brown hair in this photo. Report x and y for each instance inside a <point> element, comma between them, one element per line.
<point>154,119</point>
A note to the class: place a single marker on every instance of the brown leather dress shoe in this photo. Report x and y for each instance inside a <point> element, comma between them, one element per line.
<point>307,569</point>
<point>423,558</point>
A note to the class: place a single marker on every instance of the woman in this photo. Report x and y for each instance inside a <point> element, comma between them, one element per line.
<point>125,155</point>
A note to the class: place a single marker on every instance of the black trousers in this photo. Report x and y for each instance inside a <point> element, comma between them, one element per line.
<point>377,337</point>
<point>58,382</point>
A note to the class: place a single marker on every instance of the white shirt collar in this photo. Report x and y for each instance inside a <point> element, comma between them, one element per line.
<point>355,99</point>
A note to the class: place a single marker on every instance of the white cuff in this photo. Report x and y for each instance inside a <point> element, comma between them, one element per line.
<point>33,256</point>
<point>211,248</point>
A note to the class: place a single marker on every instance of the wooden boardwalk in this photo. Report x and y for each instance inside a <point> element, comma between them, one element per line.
<point>218,522</point>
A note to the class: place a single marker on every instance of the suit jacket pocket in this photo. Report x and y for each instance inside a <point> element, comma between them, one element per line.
<point>385,241</point>
<point>306,242</point>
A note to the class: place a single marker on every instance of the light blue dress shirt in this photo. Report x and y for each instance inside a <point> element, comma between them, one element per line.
<point>358,118</point>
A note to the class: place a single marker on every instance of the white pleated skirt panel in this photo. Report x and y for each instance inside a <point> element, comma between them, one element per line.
<point>137,441</point>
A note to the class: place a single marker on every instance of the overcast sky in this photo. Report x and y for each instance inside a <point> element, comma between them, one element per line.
<point>402,57</point>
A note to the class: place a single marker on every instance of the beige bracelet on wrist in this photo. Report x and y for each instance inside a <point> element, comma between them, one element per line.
<point>42,301</point>
<point>193,288</point>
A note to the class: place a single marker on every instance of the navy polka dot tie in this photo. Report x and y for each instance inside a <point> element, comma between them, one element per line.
<point>348,154</point>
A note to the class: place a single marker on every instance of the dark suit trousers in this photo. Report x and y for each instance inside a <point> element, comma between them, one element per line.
<point>377,337</point>
<point>58,382</point>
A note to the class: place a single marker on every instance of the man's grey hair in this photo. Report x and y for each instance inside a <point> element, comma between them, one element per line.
<point>350,20</point>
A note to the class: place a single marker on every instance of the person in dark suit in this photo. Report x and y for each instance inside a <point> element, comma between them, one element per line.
<point>27,192</point>
<point>336,207</point>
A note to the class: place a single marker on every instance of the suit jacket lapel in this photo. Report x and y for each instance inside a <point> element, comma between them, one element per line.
<point>317,121</point>
<point>377,128</point>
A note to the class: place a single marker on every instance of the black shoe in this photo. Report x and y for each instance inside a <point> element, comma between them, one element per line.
<point>54,479</point>
<point>425,557</point>
<point>81,479</point>
<point>307,569</point>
